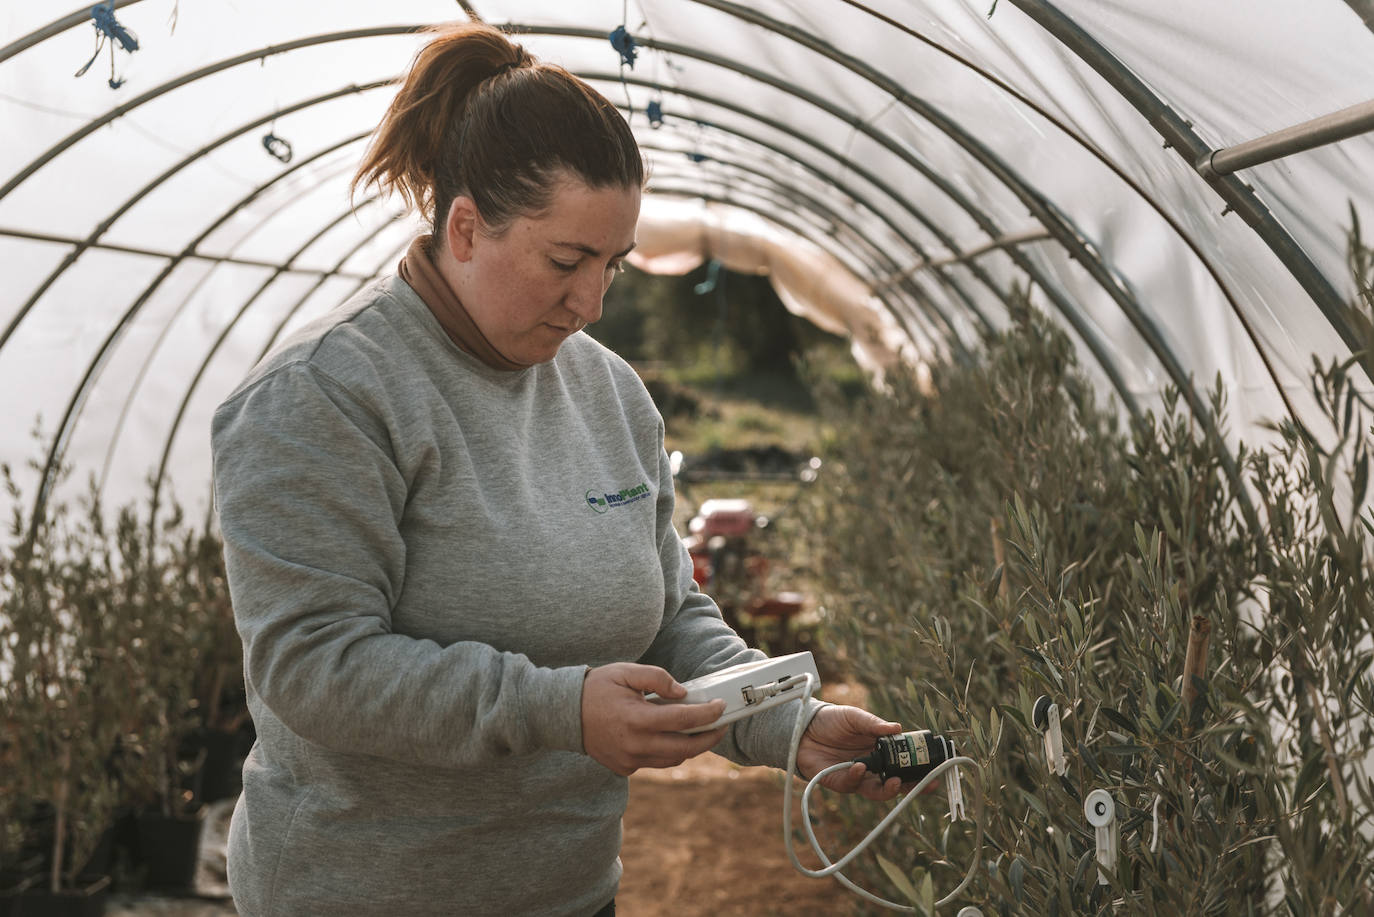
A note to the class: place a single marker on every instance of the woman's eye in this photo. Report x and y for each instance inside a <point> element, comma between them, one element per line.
<point>564,266</point>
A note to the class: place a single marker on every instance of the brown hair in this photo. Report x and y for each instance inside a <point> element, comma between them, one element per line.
<point>478,115</point>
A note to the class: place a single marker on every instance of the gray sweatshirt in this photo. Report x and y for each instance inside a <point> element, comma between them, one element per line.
<point>425,554</point>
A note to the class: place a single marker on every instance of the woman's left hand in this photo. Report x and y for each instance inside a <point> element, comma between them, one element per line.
<point>839,734</point>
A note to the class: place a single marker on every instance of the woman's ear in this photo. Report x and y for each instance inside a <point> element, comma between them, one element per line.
<point>461,228</point>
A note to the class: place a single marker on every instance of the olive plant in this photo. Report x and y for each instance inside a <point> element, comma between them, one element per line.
<point>117,640</point>
<point>1207,637</point>
<point>64,700</point>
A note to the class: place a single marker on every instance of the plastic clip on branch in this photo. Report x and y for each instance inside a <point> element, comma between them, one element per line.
<point>1100,810</point>
<point>920,756</point>
<point>1045,717</point>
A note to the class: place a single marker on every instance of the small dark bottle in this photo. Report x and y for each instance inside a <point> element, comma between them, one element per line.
<point>909,756</point>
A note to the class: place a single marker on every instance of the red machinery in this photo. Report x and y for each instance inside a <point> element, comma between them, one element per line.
<point>728,565</point>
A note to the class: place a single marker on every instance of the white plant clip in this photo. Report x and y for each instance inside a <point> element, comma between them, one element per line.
<point>1154,836</point>
<point>1045,716</point>
<point>954,790</point>
<point>1100,810</point>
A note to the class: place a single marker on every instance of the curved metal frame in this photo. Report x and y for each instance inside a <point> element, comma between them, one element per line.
<point>1179,135</point>
<point>224,336</point>
<point>848,165</point>
<point>56,27</point>
<point>104,225</point>
<point>1087,255</point>
<point>74,405</point>
<point>186,300</point>
<point>186,78</point>
<point>1115,168</point>
<point>835,217</point>
<point>1085,332</point>
<point>347,35</point>
<point>1077,244</point>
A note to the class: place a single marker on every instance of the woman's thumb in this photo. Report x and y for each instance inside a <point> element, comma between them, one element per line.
<point>651,678</point>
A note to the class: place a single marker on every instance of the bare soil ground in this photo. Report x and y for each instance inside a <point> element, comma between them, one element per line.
<point>706,839</point>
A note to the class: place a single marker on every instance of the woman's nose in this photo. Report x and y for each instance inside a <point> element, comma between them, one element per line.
<point>584,299</point>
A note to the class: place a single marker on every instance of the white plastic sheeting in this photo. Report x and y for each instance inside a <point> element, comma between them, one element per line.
<point>153,248</point>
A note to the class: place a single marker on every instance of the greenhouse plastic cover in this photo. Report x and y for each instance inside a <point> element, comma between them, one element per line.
<point>897,168</point>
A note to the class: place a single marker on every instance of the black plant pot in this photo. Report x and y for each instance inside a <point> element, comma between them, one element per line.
<point>169,848</point>
<point>221,774</point>
<point>86,901</point>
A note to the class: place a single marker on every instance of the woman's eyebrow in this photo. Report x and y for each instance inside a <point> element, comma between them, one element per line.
<point>588,250</point>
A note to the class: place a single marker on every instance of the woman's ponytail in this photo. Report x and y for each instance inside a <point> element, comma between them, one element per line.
<point>478,115</point>
<point>414,139</point>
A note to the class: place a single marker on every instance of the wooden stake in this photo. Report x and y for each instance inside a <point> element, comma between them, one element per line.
<point>61,787</point>
<point>1194,664</point>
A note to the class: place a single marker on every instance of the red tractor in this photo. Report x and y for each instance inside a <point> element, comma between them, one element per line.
<point>729,562</point>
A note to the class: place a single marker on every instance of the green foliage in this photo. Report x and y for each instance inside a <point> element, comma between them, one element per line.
<point>117,642</point>
<point>68,658</point>
<point>1039,550</point>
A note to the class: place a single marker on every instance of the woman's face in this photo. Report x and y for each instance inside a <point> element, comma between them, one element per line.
<point>543,278</point>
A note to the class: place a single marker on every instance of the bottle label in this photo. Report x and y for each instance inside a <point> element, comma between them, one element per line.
<point>909,751</point>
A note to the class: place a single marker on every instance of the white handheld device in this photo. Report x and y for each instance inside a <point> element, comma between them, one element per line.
<point>748,688</point>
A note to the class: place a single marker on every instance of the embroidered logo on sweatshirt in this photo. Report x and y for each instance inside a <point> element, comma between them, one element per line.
<point>605,502</point>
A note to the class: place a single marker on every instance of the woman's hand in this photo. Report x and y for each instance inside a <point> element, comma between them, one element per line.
<point>624,732</point>
<point>839,734</point>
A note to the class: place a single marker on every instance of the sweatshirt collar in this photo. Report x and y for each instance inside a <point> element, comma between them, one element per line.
<point>424,278</point>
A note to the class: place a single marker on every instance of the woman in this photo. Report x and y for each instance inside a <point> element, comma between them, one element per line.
<point>448,627</point>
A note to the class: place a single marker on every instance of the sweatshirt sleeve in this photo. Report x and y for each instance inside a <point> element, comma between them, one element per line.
<point>309,499</point>
<point>694,640</point>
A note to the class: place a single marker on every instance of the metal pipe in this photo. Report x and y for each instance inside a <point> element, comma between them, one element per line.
<point>1179,135</point>
<point>153,253</point>
<point>75,404</point>
<point>157,182</point>
<point>1337,126</point>
<point>1365,10</point>
<point>1020,238</point>
<point>263,287</point>
<point>1115,168</point>
<point>187,299</point>
<point>56,27</point>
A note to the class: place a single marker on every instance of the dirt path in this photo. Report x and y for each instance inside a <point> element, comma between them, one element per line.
<point>706,839</point>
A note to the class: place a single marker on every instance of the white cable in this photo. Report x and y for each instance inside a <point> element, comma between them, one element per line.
<point>833,869</point>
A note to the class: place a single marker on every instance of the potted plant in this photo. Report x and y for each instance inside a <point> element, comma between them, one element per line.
<point>158,605</point>
<point>64,693</point>
<point>225,731</point>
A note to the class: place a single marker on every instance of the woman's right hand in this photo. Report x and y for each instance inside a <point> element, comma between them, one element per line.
<point>624,732</point>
